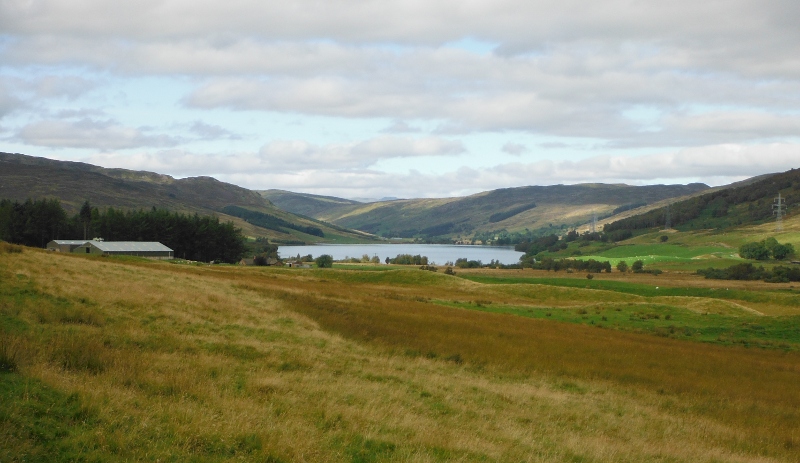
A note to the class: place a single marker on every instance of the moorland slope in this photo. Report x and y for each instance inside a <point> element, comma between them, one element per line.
<point>221,363</point>
<point>23,177</point>
<point>480,216</point>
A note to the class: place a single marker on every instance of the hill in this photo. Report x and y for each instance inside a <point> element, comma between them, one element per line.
<point>306,204</point>
<point>531,209</point>
<point>175,362</point>
<point>23,177</point>
<point>747,203</point>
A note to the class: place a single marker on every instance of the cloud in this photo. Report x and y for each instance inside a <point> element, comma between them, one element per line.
<point>89,133</point>
<point>212,132</point>
<point>69,87</point>
<point>299,155</point>
<point>400,127</point>
<point>514,148</point>
<point>715,165</point>
<point>713,79</point>
<point>287,156</point>
<point>568,69</point>
<point>722,163</point>
<point>8,102</point>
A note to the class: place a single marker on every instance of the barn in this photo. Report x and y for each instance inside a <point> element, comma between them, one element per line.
<point>64,245</point>
<point>147,249</point>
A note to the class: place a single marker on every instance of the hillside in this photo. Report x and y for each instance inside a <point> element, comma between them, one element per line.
<point>23,177</point>
<point>306,204</point>
<point>515,210</point>
<point>175,362</point>
<point>743,204</point>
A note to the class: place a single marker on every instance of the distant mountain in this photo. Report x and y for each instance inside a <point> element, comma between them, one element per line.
<point>23,177</point>
<point>305,204</point>
<point>531,208</point>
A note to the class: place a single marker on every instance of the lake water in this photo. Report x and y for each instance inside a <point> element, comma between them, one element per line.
<point>437,253</point>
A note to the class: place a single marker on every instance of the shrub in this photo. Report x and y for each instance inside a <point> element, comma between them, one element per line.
<point>756,251</point>
<point>589,276</point>
<point>637,267</point>
<point>663,238</point>
<point>622,266</point>
<point>449,271</point>
<point>782,251</point>
<point>324,261</point>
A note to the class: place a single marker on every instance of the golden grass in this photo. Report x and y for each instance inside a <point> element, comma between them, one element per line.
<point>219,363</point>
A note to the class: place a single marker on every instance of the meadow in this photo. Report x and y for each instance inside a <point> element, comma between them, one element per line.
<point>120,359</point>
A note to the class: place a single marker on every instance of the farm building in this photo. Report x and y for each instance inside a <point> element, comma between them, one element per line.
<point>64,245</point>
<point>148,249</point>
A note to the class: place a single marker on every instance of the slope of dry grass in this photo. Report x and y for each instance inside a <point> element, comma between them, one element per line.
<point>160,362</point>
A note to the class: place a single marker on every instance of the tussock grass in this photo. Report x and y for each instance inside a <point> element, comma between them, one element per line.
<point>221,363</point>
<point>8,248</point>
<point>9,353</point>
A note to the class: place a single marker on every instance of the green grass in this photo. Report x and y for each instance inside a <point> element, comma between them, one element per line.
<point>41,424</point>
<point>663,253</point>
<point>663,320</point>
<point>781,296</point>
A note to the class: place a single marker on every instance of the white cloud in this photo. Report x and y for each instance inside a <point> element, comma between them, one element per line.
<point>285,157</point>
<point>716,165</point>
<point>400,127</point>
<point>702,78</point>
<point>720,162</point>
<point>514,148</point>
<point>212,132</point>
<point>89,133</point>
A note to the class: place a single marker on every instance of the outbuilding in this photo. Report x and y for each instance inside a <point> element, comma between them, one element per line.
<point>64,245</point>
<point>147,249</point>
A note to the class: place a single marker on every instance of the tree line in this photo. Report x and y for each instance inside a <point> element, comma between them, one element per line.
<point>202,238</point>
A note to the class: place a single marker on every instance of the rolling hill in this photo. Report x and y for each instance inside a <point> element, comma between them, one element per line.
<point>746,203</point>
<point>525,209</point>
<point>23,177</point>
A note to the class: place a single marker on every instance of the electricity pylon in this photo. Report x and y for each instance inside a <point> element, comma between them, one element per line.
<point>778,210</point>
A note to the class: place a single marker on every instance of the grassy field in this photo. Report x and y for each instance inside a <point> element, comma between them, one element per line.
<point>105,359</point>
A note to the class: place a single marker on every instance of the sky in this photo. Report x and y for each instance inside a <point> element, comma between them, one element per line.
<point>418,98</point>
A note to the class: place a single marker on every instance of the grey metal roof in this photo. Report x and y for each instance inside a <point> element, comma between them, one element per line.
<point>78,242</point>
<point>129,246</point>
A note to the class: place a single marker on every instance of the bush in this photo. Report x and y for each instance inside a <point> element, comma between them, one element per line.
<point>637,267</point>
<point>449,271</point>
<point>763,250</point>
<point>622,266</point>
<point>663,238</point>
<point>464,263</point>
<point>408,259</point>
<point>756,251</point>
<point>324,261</point>
<point>589,276</point>
<point>782,251</point>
